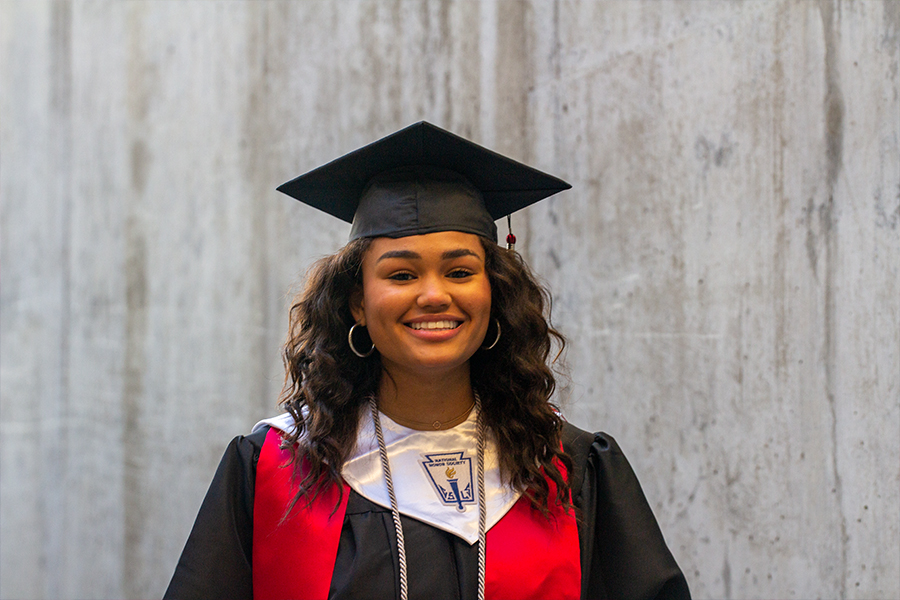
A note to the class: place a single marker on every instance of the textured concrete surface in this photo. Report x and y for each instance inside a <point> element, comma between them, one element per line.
<point>725,267</point>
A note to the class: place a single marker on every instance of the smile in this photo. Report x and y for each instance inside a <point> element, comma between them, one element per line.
<point>435,325</point>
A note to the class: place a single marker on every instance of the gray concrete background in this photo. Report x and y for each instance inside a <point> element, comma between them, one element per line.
<point>725,267</point>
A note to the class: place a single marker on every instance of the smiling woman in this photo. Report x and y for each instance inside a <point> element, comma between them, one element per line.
<point>425,456</point>
<point>426,301</point>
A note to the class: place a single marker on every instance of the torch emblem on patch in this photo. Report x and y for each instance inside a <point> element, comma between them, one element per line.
<point>451,476</point>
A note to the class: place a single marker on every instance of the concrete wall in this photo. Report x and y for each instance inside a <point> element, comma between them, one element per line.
<point>726,265</point>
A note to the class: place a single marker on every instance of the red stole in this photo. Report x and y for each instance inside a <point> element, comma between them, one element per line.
<point>528,555</point>
<point>294,558</point>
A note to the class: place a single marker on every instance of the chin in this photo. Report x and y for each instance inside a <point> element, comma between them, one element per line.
<point>436,363</point>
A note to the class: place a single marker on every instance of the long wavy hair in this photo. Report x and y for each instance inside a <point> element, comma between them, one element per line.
<point>327,386</point>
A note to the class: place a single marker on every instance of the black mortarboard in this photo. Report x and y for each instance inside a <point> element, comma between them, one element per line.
<point>419,180</point>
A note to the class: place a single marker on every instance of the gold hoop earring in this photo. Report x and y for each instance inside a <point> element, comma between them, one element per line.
<point>497,339</point>
<point>353,348</point>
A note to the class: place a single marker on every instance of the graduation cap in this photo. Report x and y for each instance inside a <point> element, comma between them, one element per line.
<point>422,179</point>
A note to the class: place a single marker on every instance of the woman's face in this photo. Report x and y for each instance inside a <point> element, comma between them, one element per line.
<point>426,301</point>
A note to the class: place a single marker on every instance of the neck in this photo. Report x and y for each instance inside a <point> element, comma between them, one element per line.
<point>426,403</point>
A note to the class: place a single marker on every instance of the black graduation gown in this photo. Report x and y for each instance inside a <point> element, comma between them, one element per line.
<point>623,553</point>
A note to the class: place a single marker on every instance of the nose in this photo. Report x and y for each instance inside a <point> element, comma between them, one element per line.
<point>433,293</point>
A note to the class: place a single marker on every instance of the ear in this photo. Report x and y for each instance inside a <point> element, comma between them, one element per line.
<point>358,306</point>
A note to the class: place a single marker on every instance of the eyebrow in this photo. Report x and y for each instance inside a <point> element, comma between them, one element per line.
<point>410,255</point>
<point>459,252</point>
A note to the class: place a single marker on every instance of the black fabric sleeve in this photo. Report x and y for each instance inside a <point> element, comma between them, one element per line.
<point>624,554</point>
<point>217,558</point>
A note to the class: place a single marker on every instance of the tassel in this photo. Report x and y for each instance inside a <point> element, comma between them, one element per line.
<point>510,239</point>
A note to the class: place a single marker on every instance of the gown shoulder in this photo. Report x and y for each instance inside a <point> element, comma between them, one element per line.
<point>624,554</point>
<point>217,557</point>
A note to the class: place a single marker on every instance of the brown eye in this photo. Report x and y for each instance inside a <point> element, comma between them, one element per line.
<point>403,276</point>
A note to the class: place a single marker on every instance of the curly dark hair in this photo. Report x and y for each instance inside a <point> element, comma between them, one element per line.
<point>331,385</point>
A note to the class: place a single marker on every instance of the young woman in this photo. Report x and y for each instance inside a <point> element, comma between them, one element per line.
<point>420,455</point>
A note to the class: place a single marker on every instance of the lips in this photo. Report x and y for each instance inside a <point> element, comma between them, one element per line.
<point>434,325</point>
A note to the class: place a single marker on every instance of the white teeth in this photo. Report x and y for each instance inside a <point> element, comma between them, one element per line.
<point>435,325</point>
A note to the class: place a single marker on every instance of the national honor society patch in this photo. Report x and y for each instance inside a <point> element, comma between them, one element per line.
<point>451,477</point>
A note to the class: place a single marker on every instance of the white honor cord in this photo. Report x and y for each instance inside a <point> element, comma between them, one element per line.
<point>482,513</point>
<point>386,466</point>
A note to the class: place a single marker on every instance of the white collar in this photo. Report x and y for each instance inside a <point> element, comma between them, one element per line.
<point>433,472</point>
<point>283,422</point>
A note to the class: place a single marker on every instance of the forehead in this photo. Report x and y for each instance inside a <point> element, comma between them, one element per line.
<point>426,246</point>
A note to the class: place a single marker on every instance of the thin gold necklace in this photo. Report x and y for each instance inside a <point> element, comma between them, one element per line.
<point>433,424</point>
